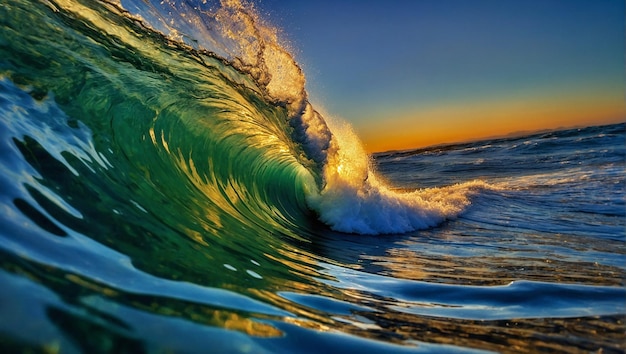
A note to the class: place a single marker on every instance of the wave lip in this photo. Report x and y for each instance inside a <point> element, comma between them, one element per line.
<point>346,194</point>
<point>250,149</point>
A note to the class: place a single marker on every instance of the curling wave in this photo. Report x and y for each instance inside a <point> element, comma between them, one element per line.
<point>210,109</point>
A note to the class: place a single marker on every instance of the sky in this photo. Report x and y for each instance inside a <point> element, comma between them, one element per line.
<point>414,73</point>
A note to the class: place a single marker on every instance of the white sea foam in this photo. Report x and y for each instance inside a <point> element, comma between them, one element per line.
<point>354,200</point>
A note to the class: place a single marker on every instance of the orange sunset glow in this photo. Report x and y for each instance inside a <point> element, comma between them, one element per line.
<point>430,73</point>
<point>467,121</point>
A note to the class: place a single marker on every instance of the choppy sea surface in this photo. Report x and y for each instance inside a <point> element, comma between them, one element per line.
<point>166,186</point>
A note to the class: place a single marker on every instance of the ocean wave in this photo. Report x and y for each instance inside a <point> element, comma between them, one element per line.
<point>162,190</point>
<point>226,116</point>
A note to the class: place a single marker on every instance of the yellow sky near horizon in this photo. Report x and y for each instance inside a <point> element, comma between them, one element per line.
<point>426,73</point>
<point>467,121</point>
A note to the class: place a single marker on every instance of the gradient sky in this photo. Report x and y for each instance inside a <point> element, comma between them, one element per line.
<point>412,73</point>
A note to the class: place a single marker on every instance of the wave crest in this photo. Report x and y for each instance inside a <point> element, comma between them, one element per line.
<point>221,72</point>
<point>355,200</point>
<point>349,197</point>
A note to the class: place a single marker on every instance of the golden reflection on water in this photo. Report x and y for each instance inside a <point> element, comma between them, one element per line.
<point>206,315</point>
<point>497,269</point>
<point>506,336</point>
<point>236,322</point>
<point>380,318</point>
<point>91,285</point>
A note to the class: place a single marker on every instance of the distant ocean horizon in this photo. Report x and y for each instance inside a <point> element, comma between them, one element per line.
<point>163,194</point>
<point>512,134</point>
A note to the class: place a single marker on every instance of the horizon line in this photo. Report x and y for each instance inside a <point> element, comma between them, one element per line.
<point>511,135</point>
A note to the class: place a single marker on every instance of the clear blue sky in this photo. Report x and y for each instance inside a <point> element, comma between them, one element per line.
<point>461,69</point>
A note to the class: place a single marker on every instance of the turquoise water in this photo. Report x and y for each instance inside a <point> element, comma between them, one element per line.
<point>167,187</point>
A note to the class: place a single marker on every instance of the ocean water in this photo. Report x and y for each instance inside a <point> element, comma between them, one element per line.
<point>166,187</point>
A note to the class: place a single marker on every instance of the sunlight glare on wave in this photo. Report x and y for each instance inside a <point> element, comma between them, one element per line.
<point>354,200</point>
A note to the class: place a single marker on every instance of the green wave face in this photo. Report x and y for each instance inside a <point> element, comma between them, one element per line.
<point>167,155</point>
